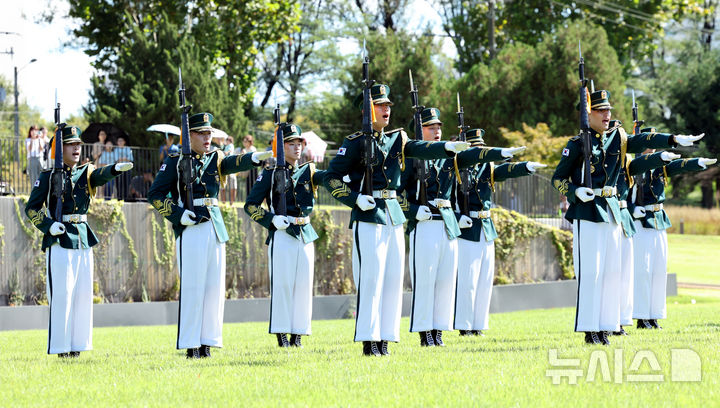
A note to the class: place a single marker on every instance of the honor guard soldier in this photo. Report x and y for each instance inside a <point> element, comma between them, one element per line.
<point>69,244</point>
<point>651,247</point>
<point>476,246</point>
<point>433,230</point>
<point>377,219</point>
<point>624,186</point>
<point>291,251</point>
<point>595,213</point>
<point>200,235</point>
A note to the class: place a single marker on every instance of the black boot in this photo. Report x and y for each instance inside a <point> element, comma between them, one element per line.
<point>204,351</point>
<point>592,338</point>
<point>74,354</point>
<point>465,332</point>
<point>655,324</point>
<point>370,349</point>
<point>193,353</point>
<point>282,340</point>
<point>426,339</point>
<point>478,333</point>
<point>384,348</point>
<point>644,324</point>
<point>437,336</point>
<point>63,355</point>
<point>295,340</point>
<point>620,332</point>
<point>604,338</point>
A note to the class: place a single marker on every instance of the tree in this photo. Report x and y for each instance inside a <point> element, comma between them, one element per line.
<point>541,145</point>
<point>528,84</point>
<point>142,87</point>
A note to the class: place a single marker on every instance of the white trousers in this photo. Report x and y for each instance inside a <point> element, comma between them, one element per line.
<point>201,260</point>
<point>476,271</point>
<point>70,290</point>
<point>378,266</point>
<point>433,265</point>
<point>650,286</point>
<point>626,280</point>
<point>291,267</point>
<point>596,258</point>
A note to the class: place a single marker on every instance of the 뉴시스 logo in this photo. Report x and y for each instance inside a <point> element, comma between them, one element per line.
<point>684,364</point>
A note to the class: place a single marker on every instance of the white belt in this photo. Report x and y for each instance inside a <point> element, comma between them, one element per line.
<point>207,202</point>
<point>74,218</point>
<point>623,203</point>
<point>480,214</point>
<point>606,191</point>
<point>440,203</point>
<point>384,194</point>
<point>654,207</point>
<point>298,220</point>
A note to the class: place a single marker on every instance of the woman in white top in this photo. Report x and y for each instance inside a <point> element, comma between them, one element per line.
<point>35,147</point>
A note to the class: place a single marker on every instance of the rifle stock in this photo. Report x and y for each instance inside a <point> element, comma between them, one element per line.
<point>639,179</point>
<point>367,129</point>
<point>186,170</point>
<point>57,177</point>
<point>420,167</point>
<point>585,133</point>
<point>280,179</point>
<point>464,181</point>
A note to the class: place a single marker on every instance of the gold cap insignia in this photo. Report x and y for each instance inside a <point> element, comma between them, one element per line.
<point>73,131</point>
<point>206,118</point>
<point>293,129</point>
<point>603,95</point>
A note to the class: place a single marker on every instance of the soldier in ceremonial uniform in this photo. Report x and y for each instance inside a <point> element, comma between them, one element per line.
<point>651,247</point>
<point>476,247</point>
<point>69,245</point>
<point>624,186</point>
<point>595,213</point>
<point>433,229</point>
<point>200,236</point>
<point>378,240</point>
<point>291,251</point>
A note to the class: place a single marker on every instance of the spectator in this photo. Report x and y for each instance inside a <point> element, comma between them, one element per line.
<point>35,147</point>
<point>123,154</point>
<point>248,175</point>
<point>107,157</point>
<point>99,146</point>
<point>169,147</point>
<point>46,147</point>
<point>229,193</point>
<point>139,186</point>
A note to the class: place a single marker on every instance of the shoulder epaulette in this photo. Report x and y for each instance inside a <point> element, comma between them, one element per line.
<point>393,131</point>
<point>354,136</point>
<point>614,128</point>
<point>174,155</point>
<point>574,138</point>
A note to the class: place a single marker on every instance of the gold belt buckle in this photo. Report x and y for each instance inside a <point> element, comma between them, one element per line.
<point>300,221</point>
<point>656,207</point>
<point>207,202</point>
<point>606,191</point>
<point>385,194</point>
<point>74,218</point>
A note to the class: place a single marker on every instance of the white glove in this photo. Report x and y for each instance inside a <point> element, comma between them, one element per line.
<point>456,147</point>
<point>685,140</point>
<point>124,166</point>
<point>669,156</point>
<point>365,202</point>
<point>533,166</point>
<point>423,213</point>
<point>511,151</point>
<point>280,222</point>
<point>465,222</point>
<point>639,212</point>
<point>188,218</point>
<point>584,194</point>
<point>257,157</point>
<point>57,229</point>
<point>706,162</point>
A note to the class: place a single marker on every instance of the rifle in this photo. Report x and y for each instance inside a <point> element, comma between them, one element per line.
<point>585,133</point>
<point>280,179</point>
<point>367,129</point>
<point>187,172</point>
<point>420,167</point>
<point>464,180</point>
<point>57,177</point>
<point>639,179</point>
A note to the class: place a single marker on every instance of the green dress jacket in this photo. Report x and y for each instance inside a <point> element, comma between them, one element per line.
<point>391,148</point>
<point>654,190</point>
<point>607,161</point>
<point>482,185</point>
<point>440,181</point>
<point>80,185</point>
<point>211,169</point>
<point>299,199</point>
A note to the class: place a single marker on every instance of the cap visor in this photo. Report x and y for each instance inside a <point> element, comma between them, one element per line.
<point>72,140</point>
<point>432,122</point>
<point>601,106</point>
<point>293,137</point>
<point>382,101</point>
<point>202,128</point>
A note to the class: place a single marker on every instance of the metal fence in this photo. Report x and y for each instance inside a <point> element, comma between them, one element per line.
<point>533,196</point>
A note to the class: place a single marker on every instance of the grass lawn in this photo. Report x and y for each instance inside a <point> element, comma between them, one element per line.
<point>694,258</point>
<point>137,366</point>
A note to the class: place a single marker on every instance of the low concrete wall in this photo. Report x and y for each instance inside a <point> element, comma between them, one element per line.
<point>505,298</point>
